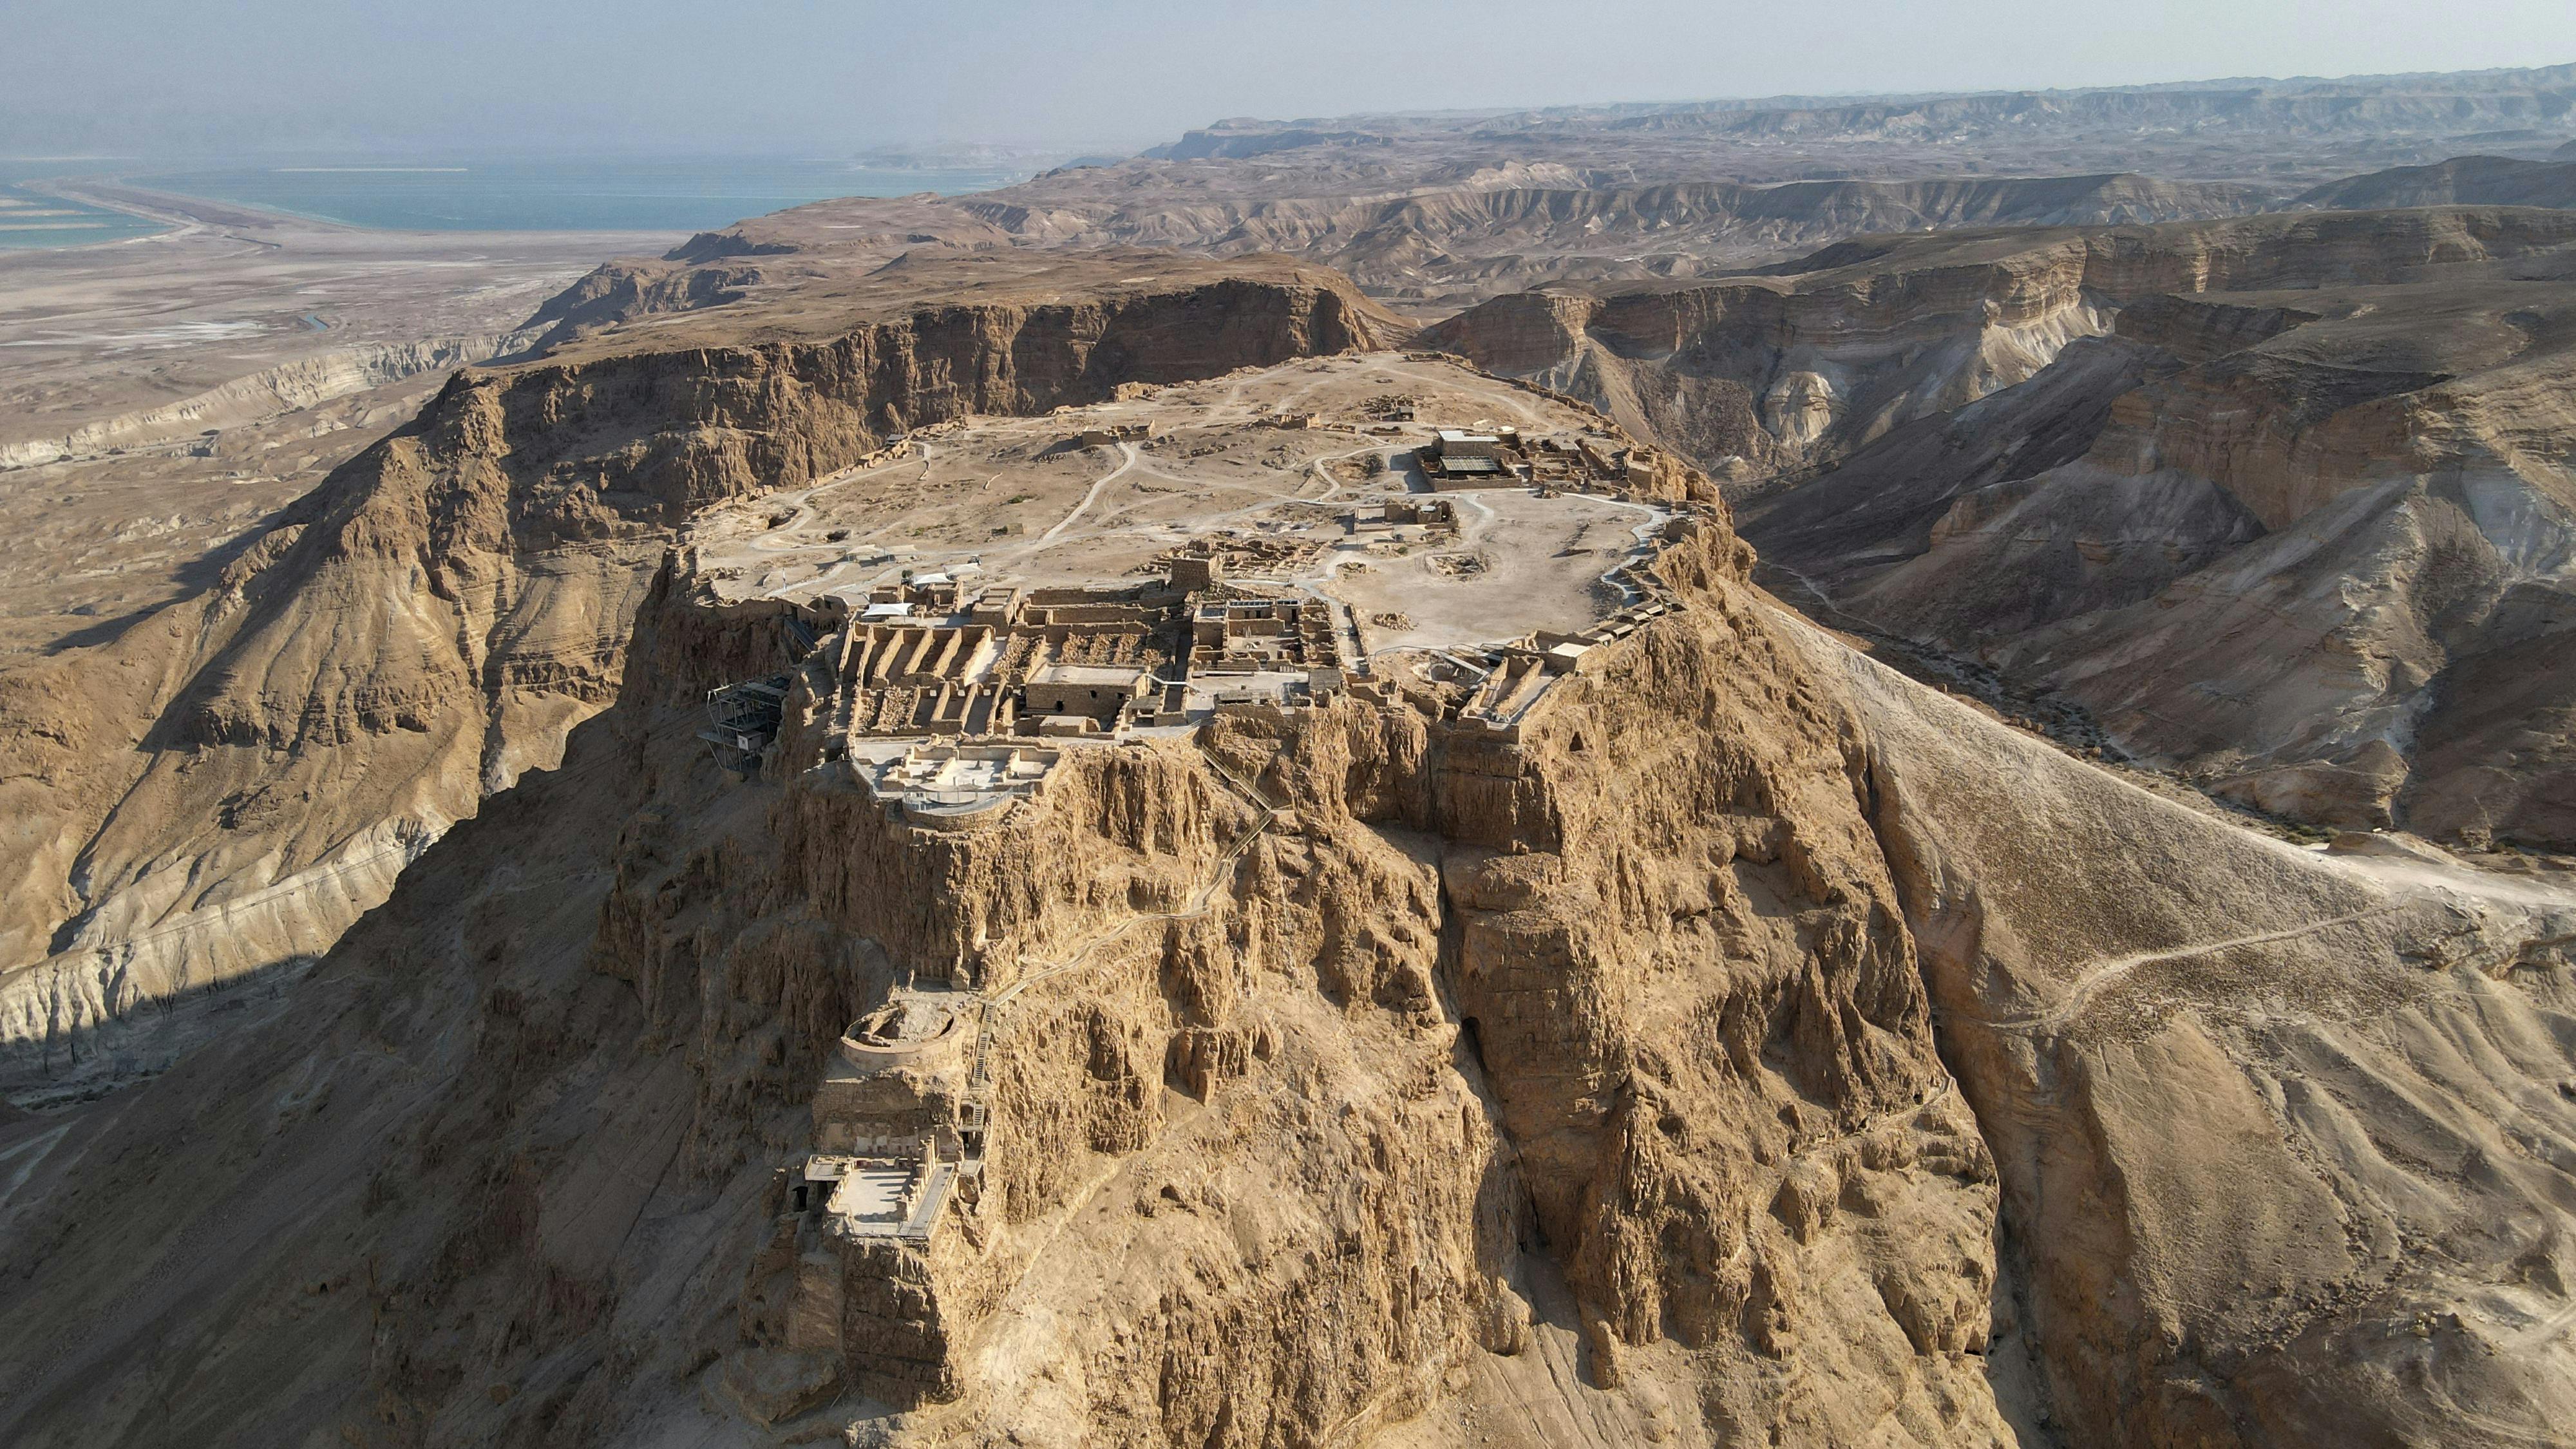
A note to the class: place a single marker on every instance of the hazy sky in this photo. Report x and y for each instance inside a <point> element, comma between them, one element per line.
<point>823,78</point>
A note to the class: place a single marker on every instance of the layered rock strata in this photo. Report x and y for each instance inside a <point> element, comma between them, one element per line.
<point>1799,366</point>
<point>227,785</point>
<point>1737,1050</point>
<point>2305,545</point>
<point>2283,515</point>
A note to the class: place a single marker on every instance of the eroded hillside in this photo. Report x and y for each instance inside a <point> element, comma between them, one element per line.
<point>2277,500</point>
<point>225,787</point>
<point>961,821</point>
<point>1684,1031</point>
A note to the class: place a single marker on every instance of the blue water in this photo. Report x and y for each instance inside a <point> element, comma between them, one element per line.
<point>29,219</point>
<point>622,195</point>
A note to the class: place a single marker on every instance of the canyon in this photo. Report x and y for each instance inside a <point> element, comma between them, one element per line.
<point>2274,502</point>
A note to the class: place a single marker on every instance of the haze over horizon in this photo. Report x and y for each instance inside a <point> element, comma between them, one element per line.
<point>1208,727</point>
<point>164,78</point>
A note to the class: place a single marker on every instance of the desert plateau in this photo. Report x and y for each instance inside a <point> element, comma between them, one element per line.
<point>1855,769</point>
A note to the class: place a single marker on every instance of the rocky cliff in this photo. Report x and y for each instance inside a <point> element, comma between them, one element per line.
<point>1785,371</point>
<point>1736,1051</point>
<point>2291,540</point>
<point>1753,376</point>
<point>1459,1063</point>
<point>227,785</point>
<point>2109,462</point>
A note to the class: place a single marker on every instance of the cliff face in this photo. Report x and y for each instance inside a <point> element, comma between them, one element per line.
<point>1357,1073</point>
<point>224,788</point>
<point>1596,1059</point>
<point>1755,377</point>
<point>2397,445</point>
<point>1795,370</point>
<point>2262,516</point>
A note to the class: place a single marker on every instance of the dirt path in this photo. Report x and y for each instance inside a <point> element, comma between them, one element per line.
<point>2102,974</point>
<point>1088,498</point>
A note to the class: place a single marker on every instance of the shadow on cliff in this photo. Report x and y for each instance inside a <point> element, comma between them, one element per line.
<point>96,1059</point>
<point>191,579</point>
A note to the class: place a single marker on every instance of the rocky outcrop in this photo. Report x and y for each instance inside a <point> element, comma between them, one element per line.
<point>1605,1044</point>
<point>226,787</point>
<point>1356,1071</point>
<point>2263,451</point>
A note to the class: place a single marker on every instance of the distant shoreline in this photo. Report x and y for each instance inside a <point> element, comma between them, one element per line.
<point>73,223</point>
<point>171,209</point>
<point>180,216</point>
<point>517,196</point>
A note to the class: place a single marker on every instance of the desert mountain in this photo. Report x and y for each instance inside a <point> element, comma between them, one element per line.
<point>2273,498</point>
<point>1031,818</point>
<point>2462,180</point>
<point>1439,213</point>
<point>1434,213</point>
<point>228,784</point>
<point>1427,250</point>
<point>1729,1048</point>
